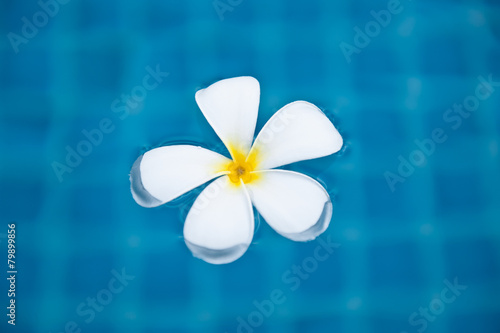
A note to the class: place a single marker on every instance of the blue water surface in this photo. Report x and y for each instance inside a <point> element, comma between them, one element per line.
<point>414,240</point>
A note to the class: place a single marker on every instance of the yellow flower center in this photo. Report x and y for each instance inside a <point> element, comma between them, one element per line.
<point>242,167</point>
<point>240,170</point>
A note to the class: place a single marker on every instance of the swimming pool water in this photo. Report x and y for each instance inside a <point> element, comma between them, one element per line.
<point>414,240</point>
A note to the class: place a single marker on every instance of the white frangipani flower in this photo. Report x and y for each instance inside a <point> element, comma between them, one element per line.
<point>220,225</point>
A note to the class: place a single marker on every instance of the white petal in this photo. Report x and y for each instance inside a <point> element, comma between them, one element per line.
<point>220,225</point>
<point>298,131</point>
<point>293,204</point>
<point>163,174</point>
<point>231,108</point>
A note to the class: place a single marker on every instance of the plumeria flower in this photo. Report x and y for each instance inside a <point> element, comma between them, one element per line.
<point>220,225</point>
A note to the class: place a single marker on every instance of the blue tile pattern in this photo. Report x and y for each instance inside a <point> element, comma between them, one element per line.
<point>90,259</point>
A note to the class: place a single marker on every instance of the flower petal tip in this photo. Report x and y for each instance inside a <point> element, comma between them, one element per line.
<point>139,193</point>
<point>317,229</point>
<point>217,257</point>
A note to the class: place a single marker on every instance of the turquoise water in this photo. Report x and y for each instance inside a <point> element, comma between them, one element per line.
<point>414,249</point>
